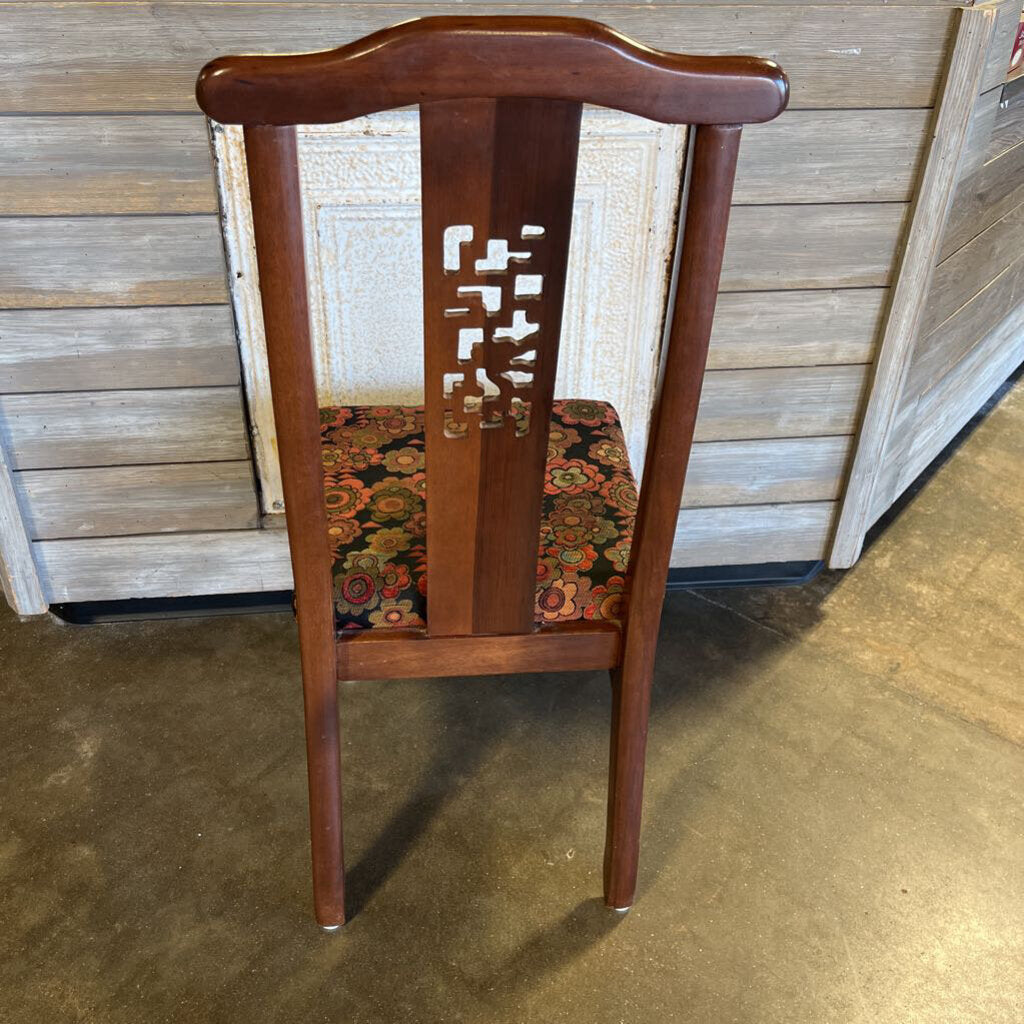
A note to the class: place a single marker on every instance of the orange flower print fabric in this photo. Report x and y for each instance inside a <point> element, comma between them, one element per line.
<point>375,490</point>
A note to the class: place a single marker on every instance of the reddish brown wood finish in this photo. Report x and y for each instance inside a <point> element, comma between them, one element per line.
<point>387,654</point>
<point>500,107</point>
<point>471,57</point>
<point>712,167</point>
<point>277,225</point>
<point>496,165</point>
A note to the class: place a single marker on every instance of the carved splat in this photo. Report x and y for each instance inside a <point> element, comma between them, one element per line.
<point>496,226</point>
<point>488,377</point>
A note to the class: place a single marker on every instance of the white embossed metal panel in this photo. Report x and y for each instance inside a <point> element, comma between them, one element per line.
<point>360,184</point>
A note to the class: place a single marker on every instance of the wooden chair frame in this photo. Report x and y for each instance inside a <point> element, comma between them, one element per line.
<point>511,79</point>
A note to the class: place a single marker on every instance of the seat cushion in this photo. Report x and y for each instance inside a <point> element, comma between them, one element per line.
<point>375,490</point>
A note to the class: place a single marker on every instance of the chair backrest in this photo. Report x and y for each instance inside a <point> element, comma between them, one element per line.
<point>500,100</point>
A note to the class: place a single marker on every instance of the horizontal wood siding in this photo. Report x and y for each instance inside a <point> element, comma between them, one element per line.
<point>163,565</point>
<point>913,276</point>
<point>795,328</point>
<point>757,472</point>
<point>990,193</point>
<point>144,57</point>
<point>178,564</point>
<point>118,500</point>
<point>995,129</point>
<point>933,418</point>
<point>960,277</point>
<point>752,533</point>
<point>90,165</point>
<point>1001,45</point>
<point>841,245</point>
<point>134,261</point>
<point>832,156</point>
<point>19,580</point>
<point>110,261</point>
<point>979,135</point>
<point>937,353</point>
<point>116,428</point>
<point>787,402</point>
<point>97,349</point>
<point>941,413</point>
<point>137,163</point>
<point>972,333</point>
<point>1007,127</point>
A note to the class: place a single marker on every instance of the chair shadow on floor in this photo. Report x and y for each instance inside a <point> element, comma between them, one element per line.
<point>458,754</point>
<point>720,664</point>
<point>399,837</point>
<point>585,924</point>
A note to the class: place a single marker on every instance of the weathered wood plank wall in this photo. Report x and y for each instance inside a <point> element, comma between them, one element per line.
<point>95,349</point>
<point>972,336</point>
<point>916,265</point>
<point>106,197</point>
<point>107,568</point>
<point>142,57</point>
<point>118,428</point>
<point>116,164</point>
<point>110,500</point>
<point>959,199</point>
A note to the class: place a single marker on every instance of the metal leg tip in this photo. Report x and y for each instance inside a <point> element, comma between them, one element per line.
<point>329,927</point>
<point>622,910</point>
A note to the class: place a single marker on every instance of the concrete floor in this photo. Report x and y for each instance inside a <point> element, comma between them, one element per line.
<point>834,825</point>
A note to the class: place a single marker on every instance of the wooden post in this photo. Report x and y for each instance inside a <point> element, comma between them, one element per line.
<point>931,208</point>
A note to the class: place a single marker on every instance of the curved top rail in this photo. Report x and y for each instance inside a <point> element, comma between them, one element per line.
<point>440,58</point>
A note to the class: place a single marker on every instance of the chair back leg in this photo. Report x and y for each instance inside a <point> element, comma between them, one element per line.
<point>712,167</point>
<point>272,161</point>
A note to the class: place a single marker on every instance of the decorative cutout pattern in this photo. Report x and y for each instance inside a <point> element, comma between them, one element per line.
<point>492,370</point>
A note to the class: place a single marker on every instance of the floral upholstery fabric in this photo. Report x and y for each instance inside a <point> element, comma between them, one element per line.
<point>375,489</point>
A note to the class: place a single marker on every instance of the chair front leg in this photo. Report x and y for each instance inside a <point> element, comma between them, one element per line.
<point>323,760</point>
<point>631,702</point>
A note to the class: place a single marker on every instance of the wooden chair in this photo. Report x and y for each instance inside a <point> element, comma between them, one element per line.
<point>500,100</point>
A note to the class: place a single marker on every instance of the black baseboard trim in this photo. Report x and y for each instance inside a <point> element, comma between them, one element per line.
<point>88,613</point>
<point>763,574</point>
